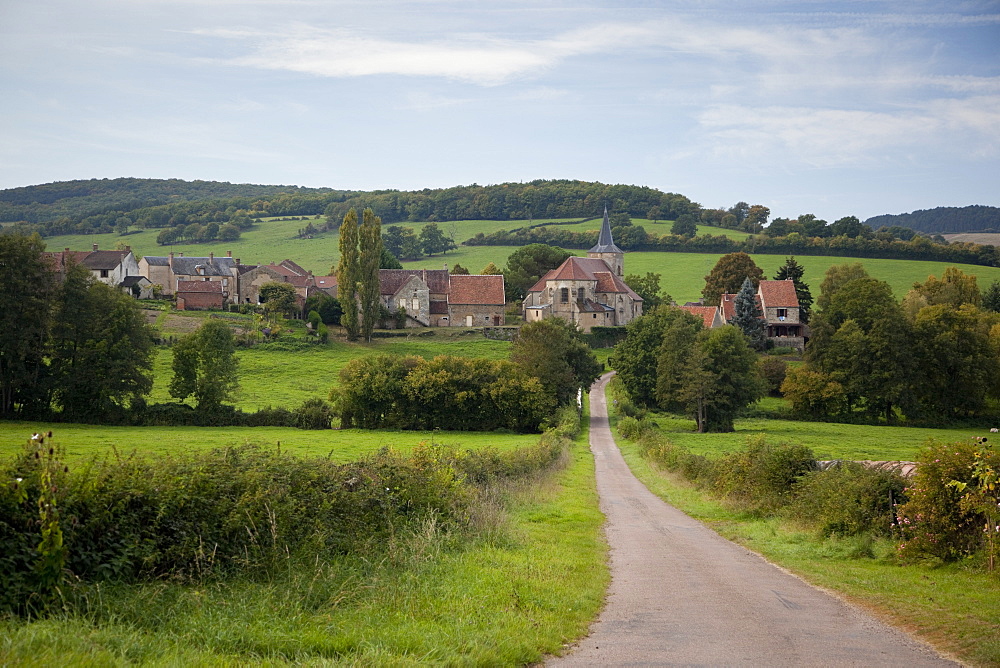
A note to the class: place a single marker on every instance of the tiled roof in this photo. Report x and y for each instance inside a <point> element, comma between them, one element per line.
<point>476,289</point>
<point>778,294</point>
<point>728,306</point>
<point>326,282</point>
<point>199,286</point>
<point>590,306</point>
<point>587,269</point>
<point>706,313</point>
<point>391,280</point>
<point>294,267</point>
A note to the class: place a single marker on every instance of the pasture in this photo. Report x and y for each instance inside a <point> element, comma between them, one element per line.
<point>683,274</point>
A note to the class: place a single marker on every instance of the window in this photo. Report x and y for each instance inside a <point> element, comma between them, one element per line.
<point>416,304</point>
<point>782,313</point>
<point>104,273</point>
<point>564,295</point>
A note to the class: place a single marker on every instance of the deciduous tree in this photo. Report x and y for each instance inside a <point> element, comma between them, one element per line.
<point>727,276</point>
<point>369,258</point>
<point>205,366</point>
<point>553,351</point>
<point>348,274</point>
<point>527,264</point>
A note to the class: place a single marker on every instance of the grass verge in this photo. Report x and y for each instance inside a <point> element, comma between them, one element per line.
<point>529,581</point>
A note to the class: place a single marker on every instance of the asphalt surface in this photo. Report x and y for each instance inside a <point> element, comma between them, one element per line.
<point>681,595</point>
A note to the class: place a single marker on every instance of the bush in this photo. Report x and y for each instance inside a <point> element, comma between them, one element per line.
<point>761,477</point>
<point>934,522</point>
<point>848,499</point>
<point>773,370</point>
<point>314,414</point>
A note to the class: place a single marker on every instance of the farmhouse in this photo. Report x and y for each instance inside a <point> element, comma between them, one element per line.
<point>780,308</point>
<point>588,292</point>
<point>435,298</point>
<point>116,268</point>
<point>169,271</point>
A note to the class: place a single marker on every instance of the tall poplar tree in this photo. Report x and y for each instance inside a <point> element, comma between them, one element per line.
<point>347,274</point>
<point>369,261</point>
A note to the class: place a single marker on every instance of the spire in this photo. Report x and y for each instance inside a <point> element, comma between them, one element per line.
<point>605,244</point>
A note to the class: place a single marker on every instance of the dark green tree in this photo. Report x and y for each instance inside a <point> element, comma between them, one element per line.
<point>101,350</point>
<point>835,278</point>
<point>685,226</point>
<point>459,270</point>
<point>527,264</point>
<point>369,260</point>
<point>648,287</point>
<point>29,287</point>
<point>635,357</point>
<point>279,299</point>
<point>392,239</point>
<point>433,240</point>
<point>748,318</point>
<point>389,261</point>
<point>677,345</point>
<point>348,270</point>
<point>327,307</point>
<point>793,270</point>
<point>991,297</point>
<point>205,366</point>
<point>727,277</point>
<point>554,351</point>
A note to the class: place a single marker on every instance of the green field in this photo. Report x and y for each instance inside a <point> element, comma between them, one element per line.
<point>683,274</point>
<point>83,442</point>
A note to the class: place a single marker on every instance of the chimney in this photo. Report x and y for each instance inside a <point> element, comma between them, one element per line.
<point>95,246</point>
<point>446,266</point>
<point>211,257</point>
<point>229,253</point>
<point>170,262</point>
<point>237,262</point>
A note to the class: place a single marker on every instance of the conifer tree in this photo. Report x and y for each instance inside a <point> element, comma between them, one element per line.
<point>347,274</point>
<point>748,317</point>
<point>369,261</point>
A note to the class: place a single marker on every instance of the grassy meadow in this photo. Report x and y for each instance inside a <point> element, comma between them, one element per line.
<point>683,274</point>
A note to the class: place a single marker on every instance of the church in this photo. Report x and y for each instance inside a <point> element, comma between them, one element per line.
<point>586,291</point>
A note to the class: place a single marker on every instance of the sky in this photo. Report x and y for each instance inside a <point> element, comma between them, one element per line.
<point>831,108</point>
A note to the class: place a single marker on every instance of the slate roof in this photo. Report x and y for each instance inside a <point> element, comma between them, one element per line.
<point>104,259</point>
<point>778,294</point>
<point>157,260</point>
<point>130,281</point>
<point>605,243</point>
<point>199,286</point>
<point>476,289</point>
<point>188,266</point>
<point>391,280</point>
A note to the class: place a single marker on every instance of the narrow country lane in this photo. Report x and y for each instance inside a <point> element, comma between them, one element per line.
<point>682,595</point>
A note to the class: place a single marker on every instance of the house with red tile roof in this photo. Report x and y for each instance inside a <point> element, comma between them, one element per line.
<point>199,295</point>
<point>586,291</point>
<point>435,298</point>
<point>779,306</point>
<point>710,315</point>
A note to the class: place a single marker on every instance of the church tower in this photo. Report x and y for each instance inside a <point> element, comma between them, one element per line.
<point>606,249</point>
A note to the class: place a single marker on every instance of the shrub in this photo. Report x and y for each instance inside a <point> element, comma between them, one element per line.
<point>314,414</point>
<point>773,370</point>
<point>934,522</point>
<point>848,499</point>
<point>761,476</point>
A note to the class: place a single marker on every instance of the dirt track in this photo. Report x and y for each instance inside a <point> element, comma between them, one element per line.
<point>682,595</point>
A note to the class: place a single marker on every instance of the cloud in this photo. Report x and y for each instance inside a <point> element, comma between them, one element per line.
<point>844,137</point>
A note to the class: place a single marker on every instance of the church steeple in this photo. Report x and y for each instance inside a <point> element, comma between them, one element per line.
<point>606,248</point>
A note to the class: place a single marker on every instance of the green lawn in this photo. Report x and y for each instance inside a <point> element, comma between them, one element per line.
<point>828,440</point>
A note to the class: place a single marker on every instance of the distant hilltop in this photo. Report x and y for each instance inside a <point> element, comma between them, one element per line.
<point>943,220</point>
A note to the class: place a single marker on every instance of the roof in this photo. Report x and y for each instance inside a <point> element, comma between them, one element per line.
<point>157,260</point>
<point>476,289</point>
<point>129,281</point>
<point>217,266</point>
<point>104,259</point>
<point>587,269</point>
<point>778,294</point>
<point>391,280</point>
<point>199,286</point>
<point>706,313</point>
<point>590,306</point>
<point>605,243</point>
<point>294,267</point>
<point>326,282</point>
<point>728,306</point>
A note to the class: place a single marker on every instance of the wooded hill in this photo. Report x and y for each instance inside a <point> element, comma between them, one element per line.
<point>943,220</point>
<point>99,205</point>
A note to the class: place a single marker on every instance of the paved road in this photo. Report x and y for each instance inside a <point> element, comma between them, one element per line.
<point>682,595</point>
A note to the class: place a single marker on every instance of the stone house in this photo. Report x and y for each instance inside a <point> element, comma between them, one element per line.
<point>710,315</point>
<point>251,278</point>
<point>435,298</point>
<point>780,308</point>
<point>169,271</point>
<point>113,267</point>
<point>588,292</point>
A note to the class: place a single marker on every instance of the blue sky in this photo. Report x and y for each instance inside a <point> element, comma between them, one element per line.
<point>832,108</point>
